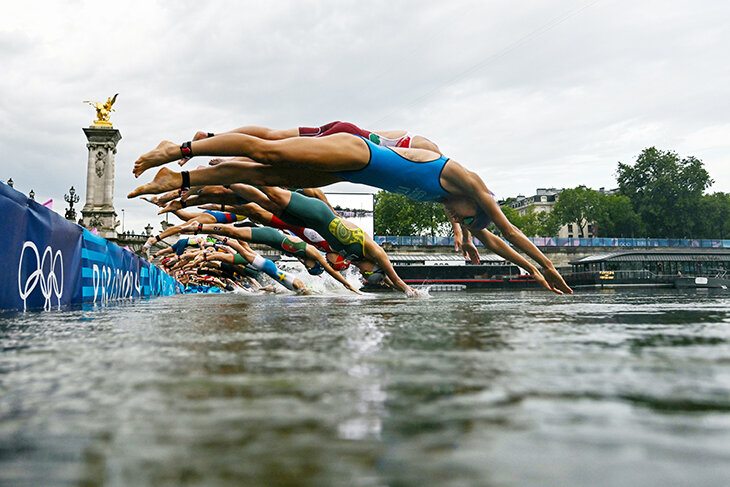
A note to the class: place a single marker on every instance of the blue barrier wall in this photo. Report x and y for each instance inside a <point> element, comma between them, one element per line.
<point>47,262</point>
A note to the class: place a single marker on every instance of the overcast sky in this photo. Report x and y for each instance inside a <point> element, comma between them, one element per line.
<point>528,94</point>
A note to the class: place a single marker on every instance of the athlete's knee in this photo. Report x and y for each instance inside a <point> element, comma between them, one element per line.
<point>283,134</point>
<point>280,198</point>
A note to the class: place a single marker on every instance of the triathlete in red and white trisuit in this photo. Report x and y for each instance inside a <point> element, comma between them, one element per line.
<point>349,128</point>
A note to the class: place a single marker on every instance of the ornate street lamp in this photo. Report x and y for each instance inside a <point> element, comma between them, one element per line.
<point>71,198</point>
<point>11,182</point>
<point>31,195</point>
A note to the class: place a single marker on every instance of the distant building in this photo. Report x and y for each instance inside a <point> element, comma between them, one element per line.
<point>544,200</point>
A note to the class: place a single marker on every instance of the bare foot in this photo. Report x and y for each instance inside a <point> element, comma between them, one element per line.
<point>200,135</point>
<point>152,199</point>
<point>165,180</point>
<point>165,152</point>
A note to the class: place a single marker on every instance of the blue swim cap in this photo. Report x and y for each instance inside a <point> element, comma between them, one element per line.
<point>316,270</point>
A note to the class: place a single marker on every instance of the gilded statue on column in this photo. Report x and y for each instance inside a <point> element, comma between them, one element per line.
<point>103,110</point>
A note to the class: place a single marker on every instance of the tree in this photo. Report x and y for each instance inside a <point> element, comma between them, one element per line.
<point>578,205</point>
<point>713,216</point>
<point>532,223</point>
<point>395,214</point>
<point>616,217</point>
<point>665,191</point>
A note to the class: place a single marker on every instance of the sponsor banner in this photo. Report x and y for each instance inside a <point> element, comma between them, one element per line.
<point>48,262</point>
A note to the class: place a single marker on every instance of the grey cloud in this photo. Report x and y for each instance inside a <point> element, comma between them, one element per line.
<point>527,94</point>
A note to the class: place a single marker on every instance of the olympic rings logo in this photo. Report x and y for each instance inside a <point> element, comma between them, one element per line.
<point>112,284</point>
<point>49,284</point>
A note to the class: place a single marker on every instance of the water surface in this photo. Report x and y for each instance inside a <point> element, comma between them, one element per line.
<point>492,388</point>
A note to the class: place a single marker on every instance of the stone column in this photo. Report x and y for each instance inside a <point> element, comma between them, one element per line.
<point>98,212</point>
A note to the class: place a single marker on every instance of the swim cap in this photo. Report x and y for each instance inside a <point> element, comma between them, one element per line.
<point>376,276</point>
<point>340,263</point>
<point>480,220</point>
<point>316,270</point>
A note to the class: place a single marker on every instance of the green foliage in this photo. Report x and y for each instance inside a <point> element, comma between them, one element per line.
<point>665,191</point>
<point>712,218</point>
<point>395,214</point>
<point>612,215</point>
<point>532,223</point>
<point>615,217</point>
<point>578,205</point>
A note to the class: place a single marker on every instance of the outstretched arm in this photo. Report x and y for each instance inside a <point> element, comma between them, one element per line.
<point>313,253</point>
<point>497,245</point>
<point>475,187</point>
<point>468,248</point>
<point>376,253</point>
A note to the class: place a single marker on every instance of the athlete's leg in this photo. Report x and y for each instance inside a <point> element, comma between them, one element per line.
<point>187,215</point>
<point>340,152</point>
<point>206,194</point>
<point>270,269</point>
<point>256,131</point>
<point>167,197</point>
<point>420,142</point>
<point>225,230</point>
<point>319,194</point>
<point>277,198</point>
<point>235,172</point>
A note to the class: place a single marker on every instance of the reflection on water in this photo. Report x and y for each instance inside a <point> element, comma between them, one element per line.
<point>498,388</point>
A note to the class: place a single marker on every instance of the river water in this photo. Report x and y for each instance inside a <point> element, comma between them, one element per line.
<point>496,388</point>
